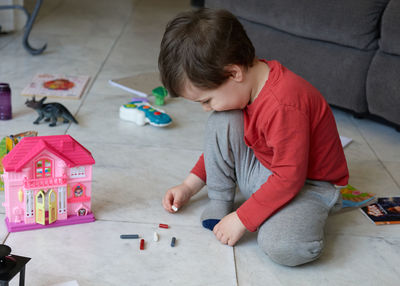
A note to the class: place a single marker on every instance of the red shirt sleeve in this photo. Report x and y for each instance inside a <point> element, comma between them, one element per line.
<point>288,134</point>
<point>199,169</point>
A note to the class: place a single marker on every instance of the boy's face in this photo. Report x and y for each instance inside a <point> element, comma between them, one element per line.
<point>228,96</point>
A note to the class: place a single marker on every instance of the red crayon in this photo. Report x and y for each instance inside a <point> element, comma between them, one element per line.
<point>142,244</point>
<point>162,225</point>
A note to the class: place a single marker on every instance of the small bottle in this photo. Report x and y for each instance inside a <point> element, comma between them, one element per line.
<point>5,101</point>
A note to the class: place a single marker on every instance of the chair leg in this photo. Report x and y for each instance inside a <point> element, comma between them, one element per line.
<point>28,26</point>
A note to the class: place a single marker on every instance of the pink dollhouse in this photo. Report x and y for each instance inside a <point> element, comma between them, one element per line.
<point>47,182</point>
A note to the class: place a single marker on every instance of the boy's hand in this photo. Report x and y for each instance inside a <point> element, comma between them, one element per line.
<point>230,229</point>
<point>179,195</point>
<point>176,196</point>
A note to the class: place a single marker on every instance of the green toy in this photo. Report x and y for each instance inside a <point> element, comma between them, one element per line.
<point>159,93</point>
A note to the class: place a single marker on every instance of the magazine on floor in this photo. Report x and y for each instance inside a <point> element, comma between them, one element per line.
<point>384,211</point>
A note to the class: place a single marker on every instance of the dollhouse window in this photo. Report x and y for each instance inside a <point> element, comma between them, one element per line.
<point>79,194</point>
<point>62,198</point>
<point>40,199</point>
<point>82,212</point>
<point>77,172</point>
<point>79,191</point>
<point>43,168</point>
<point>29,208</point>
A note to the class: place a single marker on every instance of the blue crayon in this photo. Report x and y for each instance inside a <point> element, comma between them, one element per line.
<point>129,236</point>
<point>173,242</point>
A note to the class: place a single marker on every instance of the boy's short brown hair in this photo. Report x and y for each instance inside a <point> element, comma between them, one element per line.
<point>198,46</point>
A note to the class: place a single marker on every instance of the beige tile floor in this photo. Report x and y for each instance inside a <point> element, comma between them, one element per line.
<point>135,166</point>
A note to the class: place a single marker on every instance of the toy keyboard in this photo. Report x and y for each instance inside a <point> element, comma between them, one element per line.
<point>142,113</point>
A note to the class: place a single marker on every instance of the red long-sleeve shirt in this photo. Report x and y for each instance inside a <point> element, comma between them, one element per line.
<point>293,133</point>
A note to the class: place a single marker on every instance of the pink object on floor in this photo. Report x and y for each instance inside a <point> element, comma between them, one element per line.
<point>47,183</point>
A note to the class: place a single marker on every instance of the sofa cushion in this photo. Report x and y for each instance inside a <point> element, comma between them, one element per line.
<point>390,30</point>
<point>351,23</point>
<point>338,72</point>
<point>383,87</point>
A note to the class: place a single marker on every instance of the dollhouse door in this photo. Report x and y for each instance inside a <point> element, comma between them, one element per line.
<point>52,206</point>
<point>40,208</point>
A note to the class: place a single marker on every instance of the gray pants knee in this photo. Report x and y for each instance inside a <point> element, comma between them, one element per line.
<point>295,234</point>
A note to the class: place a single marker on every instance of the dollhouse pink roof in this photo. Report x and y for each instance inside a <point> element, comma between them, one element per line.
<point>63,146</point>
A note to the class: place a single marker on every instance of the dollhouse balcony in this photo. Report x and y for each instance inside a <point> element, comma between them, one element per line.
<point>45,182</point>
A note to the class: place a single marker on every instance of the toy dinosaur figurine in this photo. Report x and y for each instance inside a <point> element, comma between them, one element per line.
<point>50,111</point>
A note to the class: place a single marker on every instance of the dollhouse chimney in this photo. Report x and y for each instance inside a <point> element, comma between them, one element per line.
<point>63,167</point>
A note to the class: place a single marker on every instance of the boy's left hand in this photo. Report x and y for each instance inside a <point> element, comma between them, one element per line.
<point>230,229</point>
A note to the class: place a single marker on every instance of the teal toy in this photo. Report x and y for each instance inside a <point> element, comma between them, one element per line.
<point>159,93</point>
<point>142,113</point>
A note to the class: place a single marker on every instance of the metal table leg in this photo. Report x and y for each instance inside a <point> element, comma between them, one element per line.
<point>28,26</point>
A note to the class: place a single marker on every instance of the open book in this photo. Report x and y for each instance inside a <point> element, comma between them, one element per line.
<point>354,198</point>
<point>140,85</point>
<point>345,141</point>
<point>58,86</point>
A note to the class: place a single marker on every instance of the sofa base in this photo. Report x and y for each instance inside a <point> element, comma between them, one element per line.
<point>369,116</point>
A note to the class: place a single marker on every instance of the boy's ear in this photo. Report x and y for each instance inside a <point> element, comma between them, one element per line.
<point>236,72</point>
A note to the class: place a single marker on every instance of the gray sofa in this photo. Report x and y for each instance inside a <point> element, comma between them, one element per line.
<point>348,49</point>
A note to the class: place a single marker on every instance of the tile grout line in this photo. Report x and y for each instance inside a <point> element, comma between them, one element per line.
<point>15,37</point>
<point>5,239</point>
<point>89,88</point>
<point>149,224</point>
<point>234,261</point>
<point>376,155</point>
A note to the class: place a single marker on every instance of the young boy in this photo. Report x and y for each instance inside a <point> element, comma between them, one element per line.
<point>271,133</point>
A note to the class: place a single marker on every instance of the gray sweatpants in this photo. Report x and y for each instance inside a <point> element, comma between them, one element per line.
<point>295,234</point>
